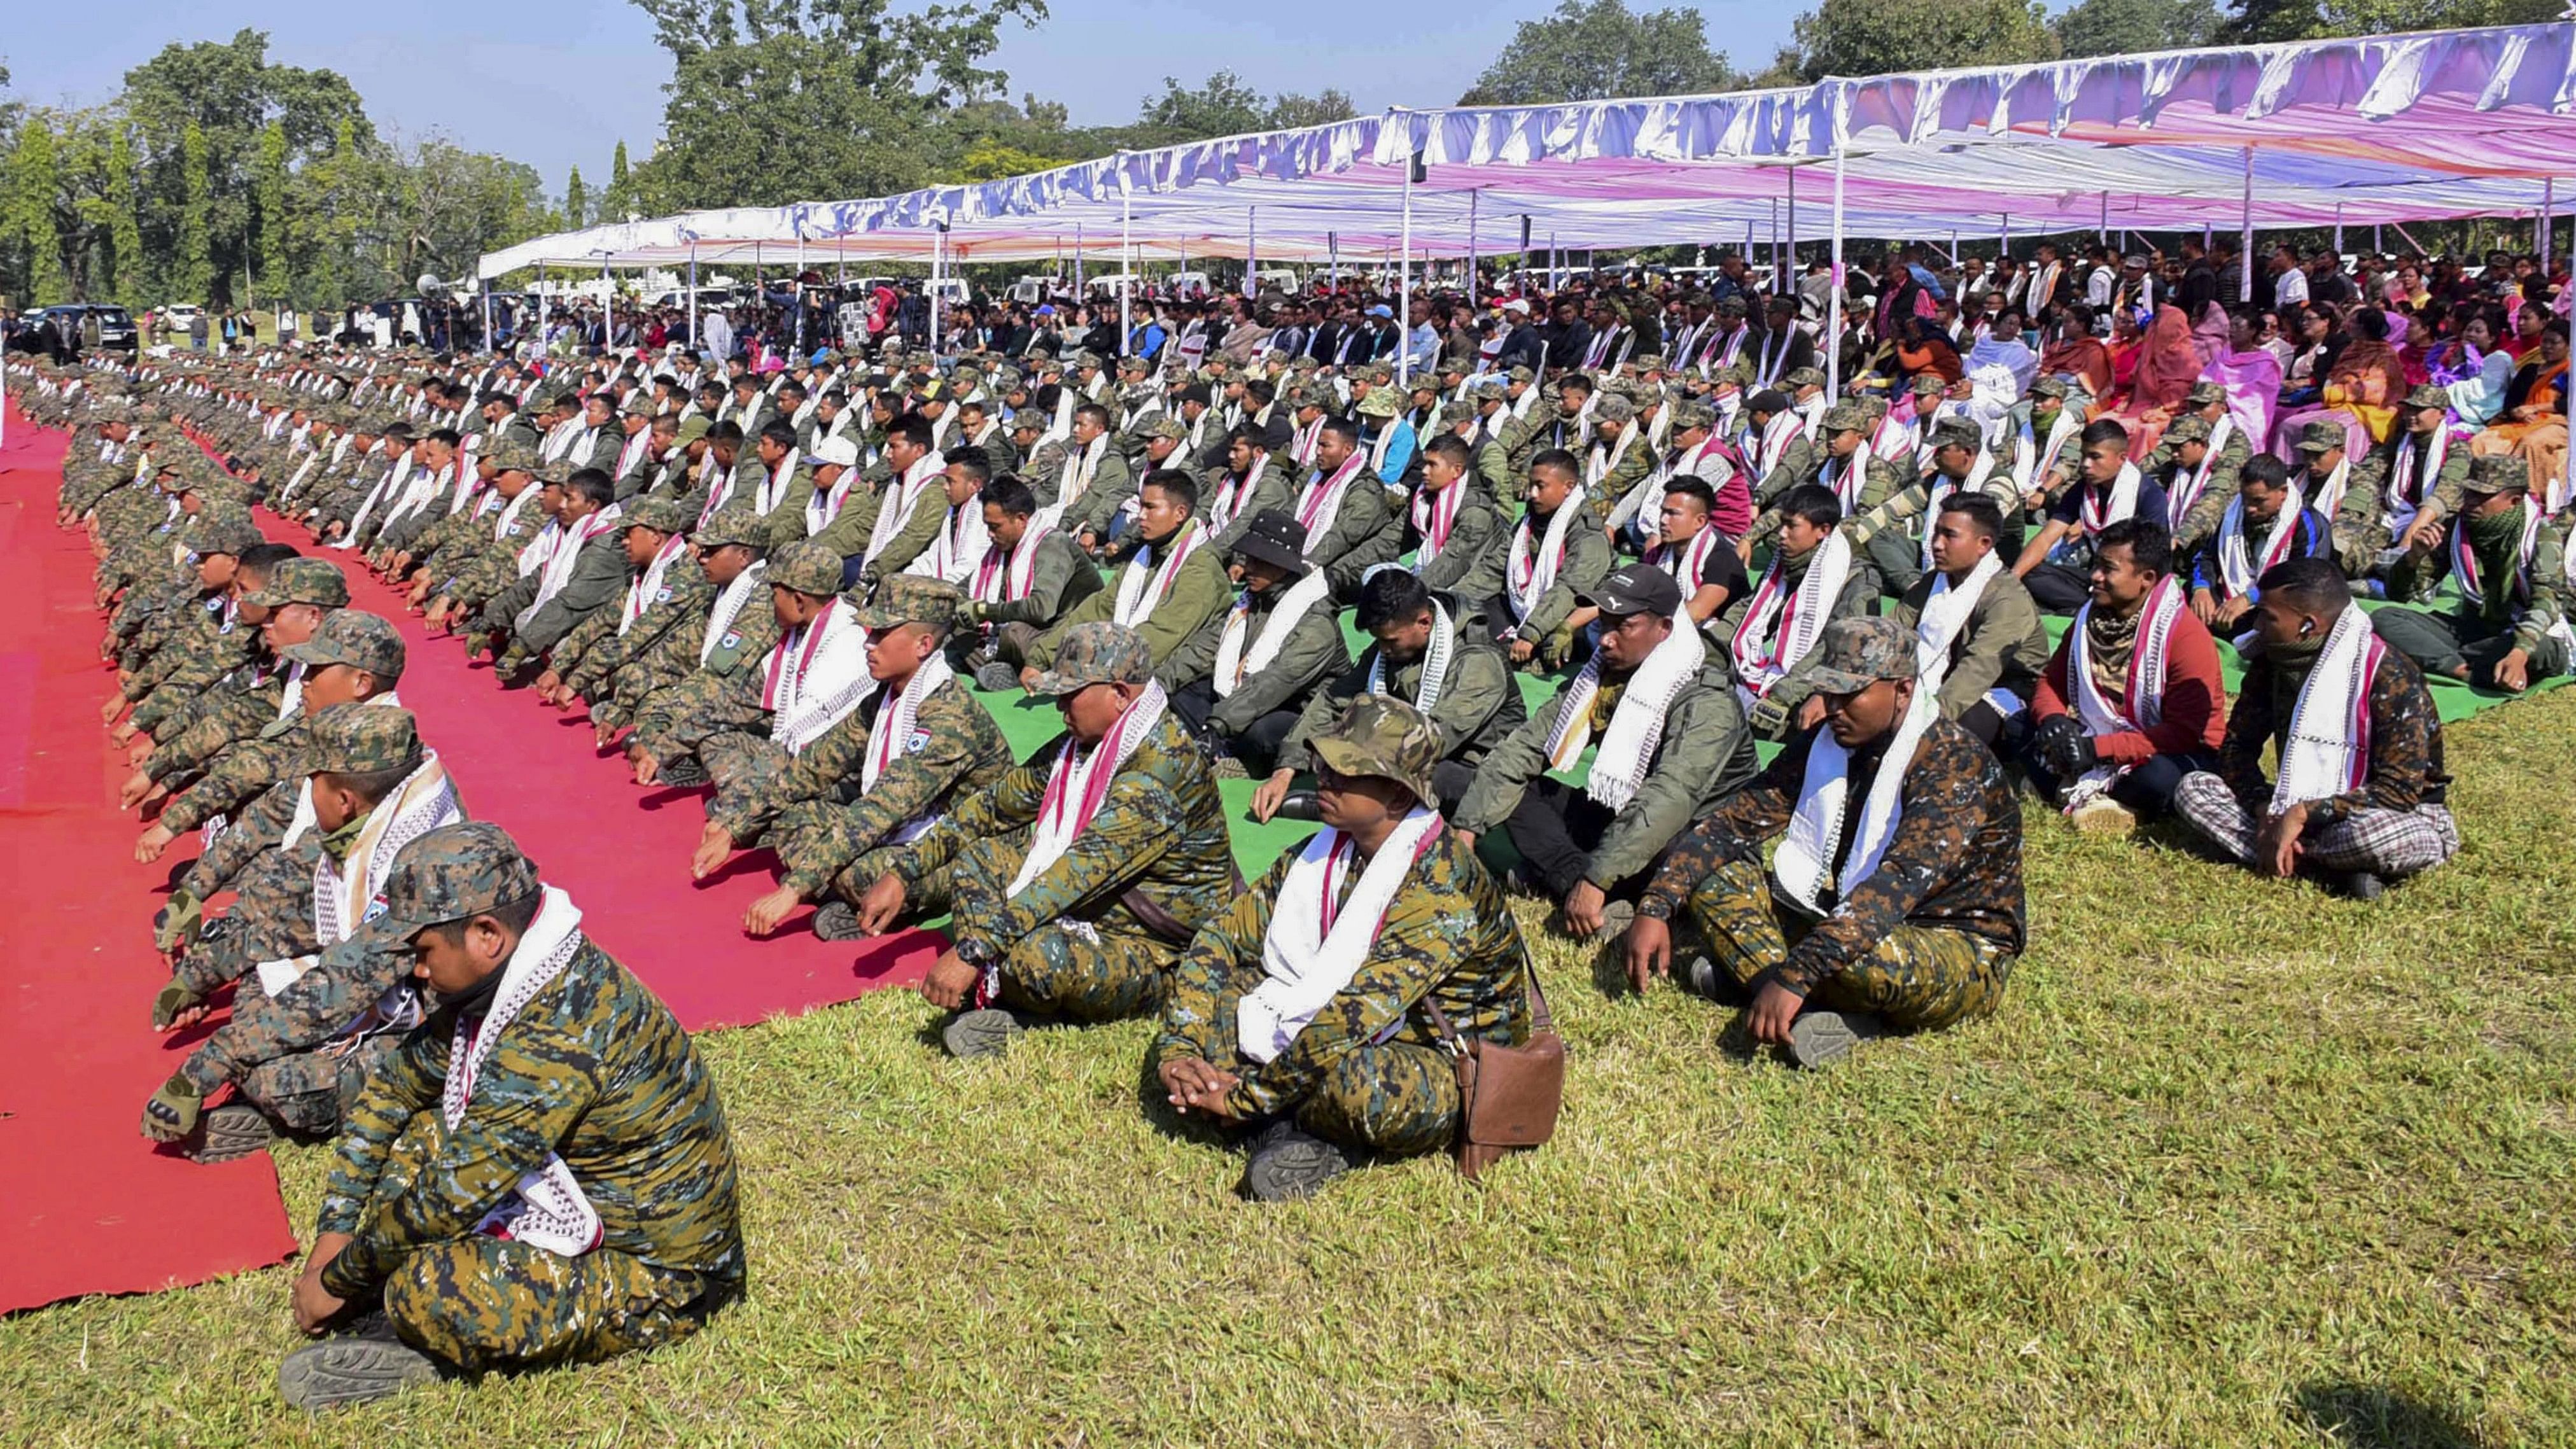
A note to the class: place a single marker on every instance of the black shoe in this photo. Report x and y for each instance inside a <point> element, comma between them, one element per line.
<point>1288,1164</point>
<point>685,774</point>
<point>235,1129</point>
<point>2361,885</point>
<point>365,1363</point>
<point>995,677</point>
<point>1299,805</point>
<point>837,921</point>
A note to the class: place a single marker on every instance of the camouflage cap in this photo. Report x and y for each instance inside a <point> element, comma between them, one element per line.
<point>2189,428</point>
<point>1845,417</point>
<point>512,454</point>
<point>356,638</point>
<point>808,567</point>
<point>452,873</point>
<point>227,532</point>
<point>693,427</point>
<point>1314,395</point>
<point>362,738</point>
<point>1956,432</point>
<point>912,599</point>
<point>2429,395</point>
<point>1519,372</point>
<point>1615,408</point>
<point>1096,653</point>
<point>302,580</point>
<point>1164,425</point>
<point>1690,413</point>
<point>1087,358</point>
<point>1381,736</point>
<point>1929,383</point>
<point>2202,394</point>
<point>2501,473</point>
<point>2322,436</point>
<point>1803,377</point>
<point>1381,402</point>
<point>738,526</point>
<point>1857,653</point>
<point>660,514</point>
<point>1454,413</point>
<point>2050,387</point>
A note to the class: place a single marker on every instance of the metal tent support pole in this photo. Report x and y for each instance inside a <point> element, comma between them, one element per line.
<point>2106,219</point>
<point>2338,229</point>
<point>1077,261</point>
<point>541,307</point>
<point>1333,261</point>
<point>1779,258</point>
<point>1788,282</point>
<point>2003,243</point>
<point>1834,299</point>
<point>1251,251</point>
<point>697,305</point>
<point>1404,281</point>
<point>2245,238</point>
<point>491,342</point>
<point>796,289</point>
<point>2548,208</point>
<point>1126,259</point>
<point>1471,247</point>
<point>938,303</point>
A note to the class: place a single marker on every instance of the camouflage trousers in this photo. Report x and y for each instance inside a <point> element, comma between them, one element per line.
<point>308,1091</point>
<point>1396,1099</point>
<point>819,856</point>
<point>271,920</point>
<point>1069,969</point>
<point>484,1303</point>
<point>1915,978</point>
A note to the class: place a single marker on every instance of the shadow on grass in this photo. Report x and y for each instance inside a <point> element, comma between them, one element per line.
<point>2366,1417</point>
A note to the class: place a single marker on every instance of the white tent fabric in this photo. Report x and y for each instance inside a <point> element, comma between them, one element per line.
<point>2383,128</point>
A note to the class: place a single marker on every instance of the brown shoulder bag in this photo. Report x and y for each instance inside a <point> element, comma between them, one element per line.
<point>1508,1096</point>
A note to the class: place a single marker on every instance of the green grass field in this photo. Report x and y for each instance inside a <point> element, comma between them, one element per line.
<point>2236,1165</point>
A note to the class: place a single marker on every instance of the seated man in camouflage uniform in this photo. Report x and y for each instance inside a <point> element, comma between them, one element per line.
<point>314,1013</point>
<point>191,645</point>
<point>1910,920</point>
<point>197,683</point>
<point>1076,879</point>
<point>811,684</point>
<point>880,776</point>
<point>1278,1014</point>
<point>570,1196</point>
<point>2508,630</point>
<point>650,532</point>
<point>717,687</point>
<point>2360,812</point>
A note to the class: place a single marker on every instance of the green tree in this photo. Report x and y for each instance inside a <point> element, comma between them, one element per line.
<point>125,228</point>
<point>1867,37</point>
<point>576,200</point>
<point>275,280</point>
<point>193,277</point>
<point>33,183</point>
<point>771,100</point>
<point>620,201</point>
<point>2266,20</point>
<point>2126,27</point>
<point>1599,50</point>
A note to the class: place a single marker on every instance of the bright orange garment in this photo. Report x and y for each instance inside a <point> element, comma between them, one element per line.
<point>2370,380</point>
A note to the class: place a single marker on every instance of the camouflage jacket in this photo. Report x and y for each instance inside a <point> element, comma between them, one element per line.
<point>1447,937</point>
<point>956,752</point>
<point>1160,832</point>
<point>1954,862</point>
<point>595,1070</point>
<point>2405,768</point>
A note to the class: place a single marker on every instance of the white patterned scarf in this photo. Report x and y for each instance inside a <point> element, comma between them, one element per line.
<point>2142,705</point>
<point>1782,623</point>
<point>565,557</point>
<point>1239,656</point>
<point>2236,562</point>
<point>1144,584</point>
<point>728,607</point>
<point>1816,825</point>
<point>1529,572</point>
<point>647,591</point>
<point>2328,749</point>
<point>1079,781</point>
<point>817,674</point>
<point>1636,731</point>
<point>1436,659</point>
<point>547,1209</point>
<point>903,495</point>
<point>1005,576</point>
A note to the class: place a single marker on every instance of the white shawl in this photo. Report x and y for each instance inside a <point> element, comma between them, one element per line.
<point>1781,624</point>
<point>728,607</point>
<point>1945,614</point>
<point>903,495</point>
<point>1080,780</point>
<point>548,1209</point>
<point>2235,562</point>
<point>1816,827</point>
<point>1436,658</point>
<point>1142,585</point>
<point>2328,751</point>
<point>1529,573</point>
<point>1323,502</point>
<point>566,554</point>
<point>1316,943</point>
<point>1239,656</point>
<point>1002,577</point>
<point>817,674</point>
<point>962,544</point>
<point>1636,732</point>
<point>1435,512</point>
<point>2143,704</point>
<point>1231,495</point>
<point>2123,502</point>
<point>647,589</point>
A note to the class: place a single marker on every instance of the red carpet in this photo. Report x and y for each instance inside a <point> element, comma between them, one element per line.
<point>622,852</point>
<point>86,1205</point>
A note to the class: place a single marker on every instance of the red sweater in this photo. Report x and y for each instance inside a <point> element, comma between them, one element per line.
<point>2195,708</point>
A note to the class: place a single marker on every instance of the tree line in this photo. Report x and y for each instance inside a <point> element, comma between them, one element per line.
<point>218,177</point>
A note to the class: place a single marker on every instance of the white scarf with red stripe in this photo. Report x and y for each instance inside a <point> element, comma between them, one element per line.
<point>1144,583</point>
<point>1435,512</point>
<point>1231,494</point>
<point>646,591</point>
<point>1529,572</point>
<point>1006,576</point>
<point>1317,942</point>
<point>2236,562</point>
<point>2142,705</point>
<point>561,558</point>
<point>1323,502</point>
<point>1080,780</point>
<point>547,1208</point>
<point>1782,623</point>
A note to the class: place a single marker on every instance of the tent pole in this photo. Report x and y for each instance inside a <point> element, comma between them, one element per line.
<point>1077,261</point>
<point>2378,241</point>
<point>2245,238</point>
<point>1779,258</point>
<point>1404,281</point>
<point>1126,261</point>
<point>541,309</point>
<point>697,305</point>
<point>796,289</point>
<point>491,344</point>
<point>2548,204</point>
<point>1251,251</point>
<point>2003,245</point>
<point>1333,261</point>
<point>938,251</point>
<point>607,307</point>
<point>2106,219</point>
<point>1791,264</point>
<point>1834,298</point>
<point>2338,229</point>
<point>1471,247</point>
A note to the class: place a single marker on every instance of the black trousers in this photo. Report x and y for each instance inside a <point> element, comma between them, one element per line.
<point>2147,790</point>
<point>1555,829</point>
<point>1257,746</point>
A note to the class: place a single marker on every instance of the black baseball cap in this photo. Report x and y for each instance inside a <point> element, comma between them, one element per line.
<point>1639,588</point>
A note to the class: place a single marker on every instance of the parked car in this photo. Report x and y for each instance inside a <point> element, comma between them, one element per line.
<point>96,324</point>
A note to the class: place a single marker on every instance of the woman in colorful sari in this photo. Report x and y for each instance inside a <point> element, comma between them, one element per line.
<point>2167,365</point>
<point>2250,373</point>
<point>2533,421</point>
<point>2076,355</point>
<point>2475,371</point>
<point>2363,385</point>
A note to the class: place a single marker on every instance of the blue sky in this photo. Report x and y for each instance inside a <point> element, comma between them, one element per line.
<point>562,91</point>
